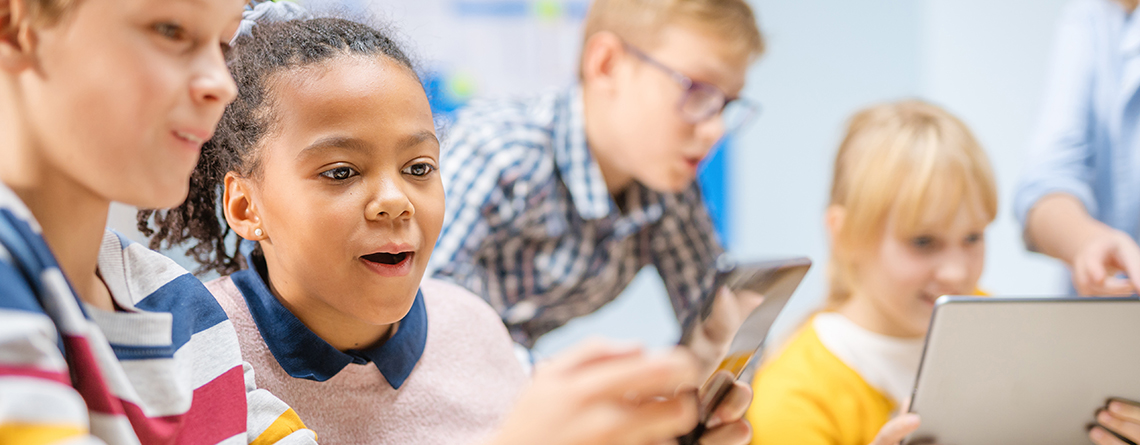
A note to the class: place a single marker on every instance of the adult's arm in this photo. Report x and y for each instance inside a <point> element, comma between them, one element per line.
<point>1055,199</point>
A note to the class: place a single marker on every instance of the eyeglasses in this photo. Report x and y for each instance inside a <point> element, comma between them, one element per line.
<point>702,101</point>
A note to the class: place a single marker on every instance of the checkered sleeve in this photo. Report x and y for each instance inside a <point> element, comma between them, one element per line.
<point>685,246</point>
<point>478,202</point>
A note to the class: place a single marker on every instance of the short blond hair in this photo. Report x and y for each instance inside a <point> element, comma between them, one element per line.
<point>910,161</point>
<point>640,21</point>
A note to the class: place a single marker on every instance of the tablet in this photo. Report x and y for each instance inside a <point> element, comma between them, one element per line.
<point>776,279</point>
<point>1021,370</point>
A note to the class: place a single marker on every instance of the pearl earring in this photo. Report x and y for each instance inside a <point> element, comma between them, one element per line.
<point>257,232</point>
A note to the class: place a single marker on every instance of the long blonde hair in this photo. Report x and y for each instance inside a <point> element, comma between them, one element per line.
<point>910,161</point>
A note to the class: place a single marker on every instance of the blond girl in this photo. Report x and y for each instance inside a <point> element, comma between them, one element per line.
<point>911,197</point>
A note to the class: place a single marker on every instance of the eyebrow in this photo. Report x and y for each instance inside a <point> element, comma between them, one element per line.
<point>357,144</point>
<point>417,138</point>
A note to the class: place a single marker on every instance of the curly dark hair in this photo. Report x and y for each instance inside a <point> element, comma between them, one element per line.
<point>270,48</point>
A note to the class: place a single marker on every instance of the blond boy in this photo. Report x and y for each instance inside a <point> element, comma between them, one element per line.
<point>555,202</point>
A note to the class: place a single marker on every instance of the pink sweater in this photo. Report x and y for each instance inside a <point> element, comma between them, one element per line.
<point>458,392</point>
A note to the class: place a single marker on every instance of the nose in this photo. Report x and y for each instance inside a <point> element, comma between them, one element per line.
<point>212,84</point>
<point>709,131</point>
<point>954,271</point>
<point>389,202</point>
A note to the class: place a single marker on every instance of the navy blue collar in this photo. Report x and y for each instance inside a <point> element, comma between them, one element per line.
<point>303,354</point>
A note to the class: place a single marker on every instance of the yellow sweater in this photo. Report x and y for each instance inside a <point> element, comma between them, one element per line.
<point>807,396</point>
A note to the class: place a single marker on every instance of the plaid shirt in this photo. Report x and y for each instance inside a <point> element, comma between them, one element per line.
<point>531,227</point>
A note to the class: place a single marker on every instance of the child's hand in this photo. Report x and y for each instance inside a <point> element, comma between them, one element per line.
<point>1120,417</point>
<point>897,429</point>
<point>599,393</point>
<point>727,425</point>
<point>711,339</point>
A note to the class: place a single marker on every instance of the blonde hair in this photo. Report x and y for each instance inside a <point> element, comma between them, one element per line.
<point>639,21</point>
<point>1128,4</point>
<point>910,161</point>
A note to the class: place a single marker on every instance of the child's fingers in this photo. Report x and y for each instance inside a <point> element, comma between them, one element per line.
<point>1127,427</point>
<point>897,429</point>
<point>664,419</point>
<point>733,407</point>
<point>589,352</point>
<point>651,422</point>
<point>1100,436</point>
<point>1125,410</point>
<point>735,433</point>
<point>644,376</point>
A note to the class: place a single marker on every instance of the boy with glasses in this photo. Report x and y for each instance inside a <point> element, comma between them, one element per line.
<point>555,202</point>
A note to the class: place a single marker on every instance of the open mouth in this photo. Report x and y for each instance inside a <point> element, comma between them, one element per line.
<point>390,259</point>
<point>389,264</point>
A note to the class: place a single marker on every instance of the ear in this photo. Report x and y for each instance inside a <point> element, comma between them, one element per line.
<point>239,209</point>
<point>17,39</point>
<point>600,57</point>
<point>833,219</point>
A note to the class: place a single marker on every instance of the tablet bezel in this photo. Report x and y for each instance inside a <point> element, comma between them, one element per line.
<point>947,301</point>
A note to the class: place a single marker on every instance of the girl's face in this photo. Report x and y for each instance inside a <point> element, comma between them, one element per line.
<point>349,196</point>
<point>120,94</point>
<point>898,284</point>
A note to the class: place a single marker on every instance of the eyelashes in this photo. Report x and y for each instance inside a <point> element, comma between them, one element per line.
<point>418,170</point>
<point>340,173</point>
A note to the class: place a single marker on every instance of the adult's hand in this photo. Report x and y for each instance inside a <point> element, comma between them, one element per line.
<point>1120,417</point>
<point>1103,255</point>
<point>600,393</point>
<point>1059,226</point>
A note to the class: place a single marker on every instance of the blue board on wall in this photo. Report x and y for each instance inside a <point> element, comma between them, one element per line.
<point>715,179</point>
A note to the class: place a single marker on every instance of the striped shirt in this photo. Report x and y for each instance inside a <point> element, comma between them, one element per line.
<point>164,369</point>
<point>531,226</point>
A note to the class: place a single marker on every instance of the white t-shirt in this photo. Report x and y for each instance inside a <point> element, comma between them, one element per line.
<point>888,364</point>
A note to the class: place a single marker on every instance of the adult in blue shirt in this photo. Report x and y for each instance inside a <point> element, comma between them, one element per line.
<point>1079,196</point>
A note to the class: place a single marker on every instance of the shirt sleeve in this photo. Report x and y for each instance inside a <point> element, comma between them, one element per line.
<point>270,420</point>
<point>1060,152</point>
<point>685,248</point>
<point>39,404</point>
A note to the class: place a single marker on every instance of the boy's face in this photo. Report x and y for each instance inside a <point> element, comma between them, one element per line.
<point>654,143</point>
<point>349,195</point>
<point>121,94</point>
<point>904,278</point>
